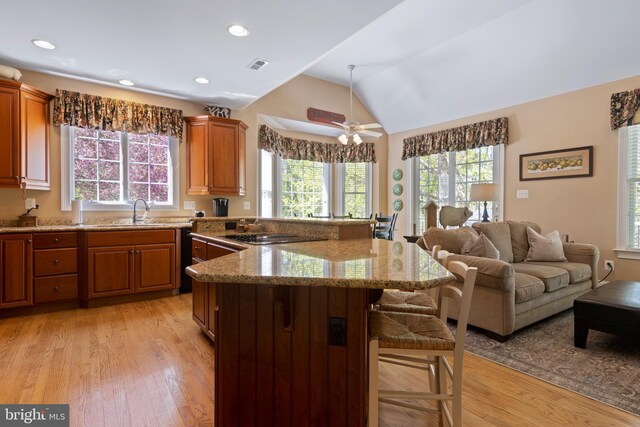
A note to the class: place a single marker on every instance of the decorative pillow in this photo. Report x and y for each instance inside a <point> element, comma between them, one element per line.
<point>450,240</point>
<point>519,239</point>
<point>500,236</point>
<point>480,246</point>
<point>544,248</point>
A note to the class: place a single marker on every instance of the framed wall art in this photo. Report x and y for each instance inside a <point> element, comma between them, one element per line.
<point>566,163</point>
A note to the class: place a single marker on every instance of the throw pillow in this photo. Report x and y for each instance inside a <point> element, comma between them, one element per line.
<point>544,248</point>
<point>519,239</point>
<point>480,246</point>
<point>450,240</point>
<point>500,236</point>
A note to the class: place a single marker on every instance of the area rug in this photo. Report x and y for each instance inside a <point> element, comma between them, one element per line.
<point>608,370</point>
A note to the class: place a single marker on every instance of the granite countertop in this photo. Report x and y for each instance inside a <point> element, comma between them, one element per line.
<point>325,221</point>
<point>357,263</point>
<point>94,227</point>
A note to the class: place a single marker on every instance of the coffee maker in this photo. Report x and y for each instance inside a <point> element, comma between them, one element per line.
<point>221,206</point>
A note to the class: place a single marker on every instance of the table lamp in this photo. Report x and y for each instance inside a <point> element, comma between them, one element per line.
<point>484,193</point>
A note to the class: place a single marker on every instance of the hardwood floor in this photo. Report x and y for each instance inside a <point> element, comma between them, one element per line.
<point>147,364</point>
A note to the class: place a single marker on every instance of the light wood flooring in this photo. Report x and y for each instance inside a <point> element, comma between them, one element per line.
<point>147,364</point>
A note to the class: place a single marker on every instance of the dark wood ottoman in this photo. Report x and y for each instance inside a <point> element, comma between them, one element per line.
<point>613,307</point>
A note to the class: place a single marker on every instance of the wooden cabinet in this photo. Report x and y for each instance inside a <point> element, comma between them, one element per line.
<point>24,136</point>
<point>16,284</point>
<point>120,263</point>
<point>204,295</point>
<point>55,267</point>
<point>216,156</point>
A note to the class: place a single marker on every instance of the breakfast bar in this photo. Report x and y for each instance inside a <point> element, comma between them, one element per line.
<point>291,326</point>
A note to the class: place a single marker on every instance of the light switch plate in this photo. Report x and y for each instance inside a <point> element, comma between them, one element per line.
<point>189,205</point>
<point>246,206</point>
<point>30,203</point>
<point>522,194</point>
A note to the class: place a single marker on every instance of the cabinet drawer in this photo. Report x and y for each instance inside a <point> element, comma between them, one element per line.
<point>117,238</point>
<point>59,288</point>
<point>55,240</point>
<point>50,262</point>
<point>216,251</point>
<point>198,249</point>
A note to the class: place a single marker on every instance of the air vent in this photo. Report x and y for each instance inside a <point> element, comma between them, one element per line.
<point>258,63</point>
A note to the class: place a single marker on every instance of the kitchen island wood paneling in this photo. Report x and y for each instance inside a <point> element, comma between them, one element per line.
<point>291,327</point>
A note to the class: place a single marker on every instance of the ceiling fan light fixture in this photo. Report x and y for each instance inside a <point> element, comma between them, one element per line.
<point>238,30</point>
<point>344,139</point>
<point>357,139</point>
<point>43,44</point>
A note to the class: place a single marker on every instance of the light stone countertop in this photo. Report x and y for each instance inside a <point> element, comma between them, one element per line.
<point>357,263</point>
<point>307,220</point>
<point>94,227</point>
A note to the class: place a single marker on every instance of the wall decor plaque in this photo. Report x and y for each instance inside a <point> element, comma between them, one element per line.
<point>566,163</point>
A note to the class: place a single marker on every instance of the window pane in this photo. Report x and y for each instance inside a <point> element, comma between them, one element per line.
<point>85,148</point>
<point>86,190</point>
<point>138,173</point>
<point>138,153</point>
<point>303,188</point>
<point>159,174</point>
<point>158,154</point>
<point>356,182</point>
<point>149,168</point>
<point>109,171</point>
<point>85,169</point>
<point>138,191</point>
<point>159,192</point>
<point>109,191</point>
<point>109,150</point>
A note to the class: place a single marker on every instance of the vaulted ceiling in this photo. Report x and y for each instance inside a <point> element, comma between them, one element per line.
<point>419,62</point>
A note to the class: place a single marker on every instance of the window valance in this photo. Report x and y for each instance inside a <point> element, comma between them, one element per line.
<point>624,106</point>
<point>481,134</point>
<point>301,149</point>
<point>98,112</point>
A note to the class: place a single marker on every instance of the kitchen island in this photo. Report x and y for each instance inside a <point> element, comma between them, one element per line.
<point>291,326</point>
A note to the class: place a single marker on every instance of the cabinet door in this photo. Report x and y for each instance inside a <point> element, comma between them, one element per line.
<point>155,267</point>
<point>34,135</point>
<point>9,137</point>
<point>242,160</point>
<point>16,284</point>
<point>212,308</point>
<point>197,158</point>
<point>223,153</point>
<point>200,301</point>
<point>110,271</point>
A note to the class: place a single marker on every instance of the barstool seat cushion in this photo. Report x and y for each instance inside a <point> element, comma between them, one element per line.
<point>407,302</point>
<point>410,331</point>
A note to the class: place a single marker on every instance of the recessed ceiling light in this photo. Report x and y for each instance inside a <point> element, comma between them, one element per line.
<point>43,44</point>
<point>125,82</point>
<point>238,31</point>
<point>201,80</point>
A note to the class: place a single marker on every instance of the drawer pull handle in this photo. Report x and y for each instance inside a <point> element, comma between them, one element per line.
<point>56,240</point>
<point>57,288</point>
<point>55,261</point>
<point>197,248</point>
<point>131,252</point>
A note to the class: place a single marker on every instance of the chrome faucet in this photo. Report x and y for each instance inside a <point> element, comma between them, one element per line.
<point>136,218</point>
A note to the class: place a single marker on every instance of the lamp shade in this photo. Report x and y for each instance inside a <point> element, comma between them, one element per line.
<point>484,192</point>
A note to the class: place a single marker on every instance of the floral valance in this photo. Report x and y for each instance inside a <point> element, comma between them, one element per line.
<point>624,106</point>
<point>301,149</point>
<point>98,112</point>
<point>481,134</point>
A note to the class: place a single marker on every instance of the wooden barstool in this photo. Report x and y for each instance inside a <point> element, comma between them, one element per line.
<point>423,342</point>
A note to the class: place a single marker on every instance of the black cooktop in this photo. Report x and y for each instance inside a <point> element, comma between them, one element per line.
<point>271,239</point>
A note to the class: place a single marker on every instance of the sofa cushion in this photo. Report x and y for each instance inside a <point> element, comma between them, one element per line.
<point>578,272</point>
<point>519,239</point>
<point>500,236</point>
<point>527,287</point>
<point>450,240</point>
<point>552,277</point>
<point>480,246</point>
<point>544,248</point>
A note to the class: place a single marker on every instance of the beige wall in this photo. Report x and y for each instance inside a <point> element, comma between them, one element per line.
<point>289,101</point>
<point>585,208</point>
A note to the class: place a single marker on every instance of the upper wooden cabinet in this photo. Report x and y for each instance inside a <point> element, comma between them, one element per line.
<point>216,156</point>
<point>24,136</point>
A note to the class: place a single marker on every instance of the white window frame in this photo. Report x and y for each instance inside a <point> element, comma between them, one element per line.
<point>414,195</point>
<point>622,248</point>
<point>67,179</point>
<point>340,204</point>
<point>277,194</point>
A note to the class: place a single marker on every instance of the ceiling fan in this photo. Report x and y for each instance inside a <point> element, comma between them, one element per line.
<point>353,129</point>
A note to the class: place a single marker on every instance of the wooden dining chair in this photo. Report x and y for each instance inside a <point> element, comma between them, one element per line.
<point>423,342</point>
<point>383,228</point>
<point>348,216</point>
<point>311,215</point>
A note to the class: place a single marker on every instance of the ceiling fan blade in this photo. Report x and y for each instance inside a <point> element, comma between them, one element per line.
<point>370,133</point>
<point>341,125</point>
<point>370,126</point>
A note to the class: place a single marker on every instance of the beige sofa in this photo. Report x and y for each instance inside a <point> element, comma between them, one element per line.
<point>511,293</point>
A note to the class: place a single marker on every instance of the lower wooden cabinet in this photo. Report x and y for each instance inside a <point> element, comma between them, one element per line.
<point>110,271</point>
<point>205,301</point>
<point>16,276</point>
<point>55,267</point>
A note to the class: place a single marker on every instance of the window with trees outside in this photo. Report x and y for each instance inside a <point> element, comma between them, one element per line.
<point>629,193</point>
<point>446,179</point>
<point>291,188</point>
<point>108,169</point>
